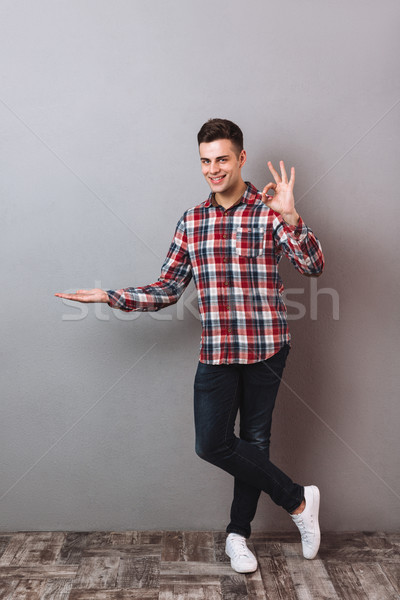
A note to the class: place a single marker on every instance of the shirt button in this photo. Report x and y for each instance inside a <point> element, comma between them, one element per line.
<point>225,260</point>
<point>229,329</point>
<point>224,236</point>
<point>226,283</point>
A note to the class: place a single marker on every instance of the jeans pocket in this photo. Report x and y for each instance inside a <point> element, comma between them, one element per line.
<point>250,241</point>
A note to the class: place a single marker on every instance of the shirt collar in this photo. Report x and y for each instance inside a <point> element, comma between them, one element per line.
<point>248,197</point>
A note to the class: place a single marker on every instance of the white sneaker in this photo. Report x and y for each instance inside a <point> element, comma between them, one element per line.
<point>307,522</point>
<point>242,559</point>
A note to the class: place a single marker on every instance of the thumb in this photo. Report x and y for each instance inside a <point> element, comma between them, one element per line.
<point>264,197</point>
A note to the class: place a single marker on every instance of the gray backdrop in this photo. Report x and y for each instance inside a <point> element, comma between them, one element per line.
<point>100,106</point>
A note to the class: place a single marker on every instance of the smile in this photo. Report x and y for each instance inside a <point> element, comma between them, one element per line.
<point>217,179</point>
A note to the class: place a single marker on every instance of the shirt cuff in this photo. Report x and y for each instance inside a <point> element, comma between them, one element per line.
<point>299,231</point>
<point>116,300</point>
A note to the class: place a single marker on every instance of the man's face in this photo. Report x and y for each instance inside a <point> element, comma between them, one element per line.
<point>221,165</point>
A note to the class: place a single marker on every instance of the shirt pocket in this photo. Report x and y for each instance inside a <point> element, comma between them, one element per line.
<point>250,241</point>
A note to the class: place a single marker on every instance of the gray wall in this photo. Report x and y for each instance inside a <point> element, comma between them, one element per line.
<point>100,105</point>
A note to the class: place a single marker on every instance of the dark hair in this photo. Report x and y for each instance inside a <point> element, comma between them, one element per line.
<point>221,129</point>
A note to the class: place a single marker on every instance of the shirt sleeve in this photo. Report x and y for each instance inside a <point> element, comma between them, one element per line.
<point>299,244</point>
<point>176,273</point>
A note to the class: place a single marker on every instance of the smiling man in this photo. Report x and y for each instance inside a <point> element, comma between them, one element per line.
<point>231,245</point>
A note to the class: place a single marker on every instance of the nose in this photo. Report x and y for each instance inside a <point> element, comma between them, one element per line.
<point>214,167</point>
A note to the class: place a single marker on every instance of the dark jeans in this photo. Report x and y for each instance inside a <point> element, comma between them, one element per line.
<point>220,391</point>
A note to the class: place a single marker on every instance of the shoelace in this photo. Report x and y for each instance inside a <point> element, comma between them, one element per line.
<point>303,530</point>
<point>239,547</point>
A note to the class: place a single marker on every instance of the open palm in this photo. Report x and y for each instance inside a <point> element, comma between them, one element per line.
<point>94,295</point>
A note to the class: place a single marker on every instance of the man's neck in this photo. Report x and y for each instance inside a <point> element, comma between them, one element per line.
<point>229,198</point>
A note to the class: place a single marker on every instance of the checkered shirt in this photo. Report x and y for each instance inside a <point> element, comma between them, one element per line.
<point>233,256</point>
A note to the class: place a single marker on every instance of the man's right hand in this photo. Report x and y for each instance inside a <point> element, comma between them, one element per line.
<point>95,295</point>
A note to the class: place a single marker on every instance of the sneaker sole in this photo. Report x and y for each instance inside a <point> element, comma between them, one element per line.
<point>243,570</point>
<point>316,501</point>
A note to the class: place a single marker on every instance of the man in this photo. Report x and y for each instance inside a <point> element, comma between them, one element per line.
<point>231,245</point>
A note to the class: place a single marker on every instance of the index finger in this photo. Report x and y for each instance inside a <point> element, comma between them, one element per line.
<point>274,172</point>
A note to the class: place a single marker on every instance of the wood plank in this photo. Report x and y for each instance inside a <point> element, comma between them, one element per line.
<point>139,572</point>
<point>288,537</point>
<point>39,572</point>
<point>7,588</point>
<point>377,540</point>
<point>345,547</point>
<point>198,546</point>
<point>345,581</point>
<point>188,546</point>
<point>394,537</point>
<point>384,548</point>
<point>33,548</point>
<point>4,541</point>
<point>392,572</point>
<point>255,586</point>
<point>233,587</point>
<point>309,576</point>
<point>196,592</point>
<point>51,549</point>
<point>77,542</point>
<point>151,537</point>
<point>57,589</point>
<point>12,549</point>
<point>115,594</point>
<point>194,568</point>
<point>172,546</point>
<point>72,549</point>
<point>274,571</point>
<point>185,579</point>
<point>124,538</point>
<point>27,590</point>
<point>166,591</point>
<point>374,582</point>
<point>97,572</point>
<point>136,550</point>
<point>135,537</point>
<point>219,547</point>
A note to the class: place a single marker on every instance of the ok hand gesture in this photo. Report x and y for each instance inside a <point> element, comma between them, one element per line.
<point>283,199</point>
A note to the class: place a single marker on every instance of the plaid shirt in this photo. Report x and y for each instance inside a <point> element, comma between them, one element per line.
<point>233,257</point>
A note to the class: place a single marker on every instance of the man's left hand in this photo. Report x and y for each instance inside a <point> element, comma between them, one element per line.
<point>283,199</point>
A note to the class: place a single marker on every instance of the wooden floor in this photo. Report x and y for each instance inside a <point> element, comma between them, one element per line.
<point>193,565</point>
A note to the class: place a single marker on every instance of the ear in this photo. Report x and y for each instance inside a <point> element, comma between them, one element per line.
<point>242,158</point>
